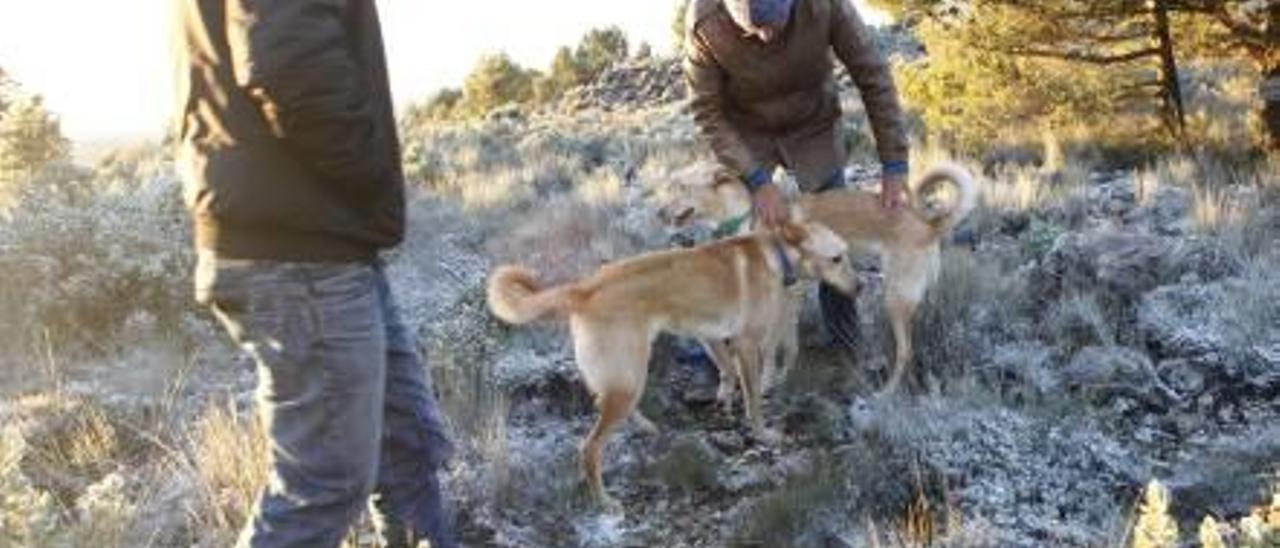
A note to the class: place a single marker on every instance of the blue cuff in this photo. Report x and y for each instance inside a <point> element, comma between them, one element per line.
<point>834,181</point>
<point>896,167</point>
<point>756,179</point>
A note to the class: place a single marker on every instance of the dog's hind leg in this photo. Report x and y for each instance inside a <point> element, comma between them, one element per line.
<point>615,406</point>
<point>900,312</point>
<point>908,278</point>
<point>614,361</point>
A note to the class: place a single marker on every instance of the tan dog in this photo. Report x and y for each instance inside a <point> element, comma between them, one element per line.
<point>907,241</point>
<point>729,291</point>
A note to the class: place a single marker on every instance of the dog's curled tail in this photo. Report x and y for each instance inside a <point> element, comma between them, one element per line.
<point>514,295</point>
<point>966,200</point>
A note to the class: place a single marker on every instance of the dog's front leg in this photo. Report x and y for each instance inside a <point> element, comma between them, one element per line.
<point>725,361</point>
<point>785,336</point>
<point>750,354</point>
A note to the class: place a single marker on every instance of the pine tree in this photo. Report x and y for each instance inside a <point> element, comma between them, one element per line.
<point>1136,43</point>
<point>496,81</point>
<point>598,50</point>
<point>30,139</point>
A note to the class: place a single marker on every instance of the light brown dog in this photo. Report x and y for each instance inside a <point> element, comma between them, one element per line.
<point>906,240</point>
<point>731,292</point>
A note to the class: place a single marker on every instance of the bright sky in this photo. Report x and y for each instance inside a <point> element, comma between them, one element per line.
<point>103,65</point>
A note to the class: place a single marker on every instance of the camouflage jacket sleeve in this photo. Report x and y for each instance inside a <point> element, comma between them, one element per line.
<point>706,87</point>
<point>855,45</point>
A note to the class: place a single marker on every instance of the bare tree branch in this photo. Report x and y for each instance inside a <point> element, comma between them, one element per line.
<point>1085,57</point>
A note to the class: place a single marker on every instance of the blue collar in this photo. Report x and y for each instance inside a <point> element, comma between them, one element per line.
<point>788,269</point>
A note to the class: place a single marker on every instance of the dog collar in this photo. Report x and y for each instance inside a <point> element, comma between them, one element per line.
<point>731,226</point>
<point>788,269</point>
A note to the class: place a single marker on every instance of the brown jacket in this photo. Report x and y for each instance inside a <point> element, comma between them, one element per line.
<point>286,130</point>
<point>786,86</point>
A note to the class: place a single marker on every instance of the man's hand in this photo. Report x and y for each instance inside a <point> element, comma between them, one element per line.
<point>893,192</point>
<point>770,207</point>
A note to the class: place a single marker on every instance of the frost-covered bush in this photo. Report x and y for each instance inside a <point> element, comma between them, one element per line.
<point>81,267</point>
<point>28,516</point>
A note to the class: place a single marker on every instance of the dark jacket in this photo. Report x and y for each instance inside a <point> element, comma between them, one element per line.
<point>785,87</point>
<point>287,136</point>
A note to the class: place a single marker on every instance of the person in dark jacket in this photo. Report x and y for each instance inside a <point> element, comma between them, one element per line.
<point>764,96</point>
<point>287,142</point>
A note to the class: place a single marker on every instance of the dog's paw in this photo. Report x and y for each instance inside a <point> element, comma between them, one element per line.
<point>724,398</point>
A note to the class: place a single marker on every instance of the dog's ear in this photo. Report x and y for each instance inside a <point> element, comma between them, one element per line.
<point>793,233</point>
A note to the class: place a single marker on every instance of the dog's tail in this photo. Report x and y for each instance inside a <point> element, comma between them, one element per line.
<point>966,201</point>
<point>514,296</point>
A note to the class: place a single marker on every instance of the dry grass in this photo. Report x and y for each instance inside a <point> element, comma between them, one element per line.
<point>1146,186</point>
<point>227,456</point>
<point>79,442</point>
<point>600,189</point>
<point>74,472</point>
<point>1213,209</point>
<point>1029,188</point>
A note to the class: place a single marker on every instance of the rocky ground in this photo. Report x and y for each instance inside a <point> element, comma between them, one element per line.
<point>1118,346</point>
<point>1086,336</point>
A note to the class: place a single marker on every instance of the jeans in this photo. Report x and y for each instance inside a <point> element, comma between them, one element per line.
<point>345,400</point>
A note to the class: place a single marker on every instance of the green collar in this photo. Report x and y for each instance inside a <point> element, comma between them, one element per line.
<point>731,226</point>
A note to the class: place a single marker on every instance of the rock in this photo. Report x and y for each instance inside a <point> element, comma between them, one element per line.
<point>1120,264</point>
<point>1113,198</point>
<point>1265,374</point>
<point>1110,371</point>
<point>1129,265</point>
<point>634,84</point>
<point>1208,260</point>
<point>728,441</point>
<point>1186,320</point>
<point>1169,215</point>
<point>1218,338</point>
<point>1225,480</point>
<point>1186,377</point>
<point>1040,481</point>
